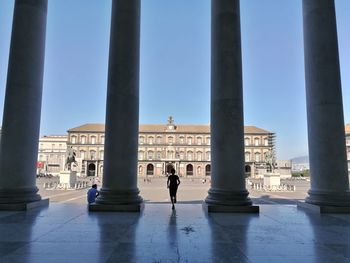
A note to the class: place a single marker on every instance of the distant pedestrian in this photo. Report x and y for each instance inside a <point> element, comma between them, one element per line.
<point>92,194</point>
<point>173,183</point>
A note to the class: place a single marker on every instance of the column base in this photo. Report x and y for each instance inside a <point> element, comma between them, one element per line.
<point>323,209</point>
<point>109,197</point>
<point>24,206</point>
<point>115,208</point>
<point>229,201</point>
<point>327,198</point>
<point>19,195</point>
<point>230,209</point>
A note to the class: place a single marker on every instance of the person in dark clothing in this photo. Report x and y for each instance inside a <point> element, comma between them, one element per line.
<point>172,183</point>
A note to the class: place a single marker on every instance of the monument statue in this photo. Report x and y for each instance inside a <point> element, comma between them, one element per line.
<point>270,160</point>
<point>170,120</point>
<point>70,158</point>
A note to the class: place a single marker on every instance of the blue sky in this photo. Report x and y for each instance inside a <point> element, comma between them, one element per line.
<point>175,64</point>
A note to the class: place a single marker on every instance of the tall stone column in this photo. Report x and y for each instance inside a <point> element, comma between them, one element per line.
<point>326,135</point>
<point>119,190</point>
<point>22,109</point>
<point>227,192</point>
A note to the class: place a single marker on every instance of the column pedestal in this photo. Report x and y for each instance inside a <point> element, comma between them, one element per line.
<point>22,108</point>
<point>227,192</point>
<point>119,190</point>
<point>326,133</point>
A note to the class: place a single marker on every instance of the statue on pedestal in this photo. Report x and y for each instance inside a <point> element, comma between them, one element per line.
<point>270,160</point>
<point>70,159</point>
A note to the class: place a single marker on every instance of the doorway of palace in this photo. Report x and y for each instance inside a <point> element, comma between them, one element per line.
<point>207,170</point>
<point>169,166</point>
<point>91,169</point>
<point>248,170</point>
<point>189,170</point>
<point>150,169</point>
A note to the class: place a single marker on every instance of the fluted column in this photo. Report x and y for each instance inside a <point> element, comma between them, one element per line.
<point>227,128</point>
<point>22,109</point>
<point>326,135</point>
<point>119,189</point>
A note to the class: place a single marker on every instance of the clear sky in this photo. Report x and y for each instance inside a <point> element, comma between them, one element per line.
<point>175,64</point>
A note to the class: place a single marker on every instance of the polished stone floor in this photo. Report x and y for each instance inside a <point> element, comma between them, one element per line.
<point>69,233</point>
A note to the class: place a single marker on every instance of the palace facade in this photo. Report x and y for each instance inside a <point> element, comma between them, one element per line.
<point>347,137</point>
<point>164,146</point>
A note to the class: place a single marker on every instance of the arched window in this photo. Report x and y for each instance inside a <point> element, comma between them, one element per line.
<point>159,139</point>
<point>247,156</point>
<point>207,156</point>
<point>189,170</point>
<point>256,141</point>
<point>246,141</point>
<point>199,170</point>
<point>150,155</point>
<point>141,155</point>
<point>159,155</point>
<point>199,140</point>
<point>189,140</point>
<point>207,170</point>
<point>182,140</point>
<point>208,140</point>
<point>199,156</point>
<point>83,139</point>
<point>182,155</point>
<point>142,139</point>
<point>150,169</point>
<point>170,139</point>
<point>93,139</point>
<point>92,154</point>
<point>171,154</point>
<point>190,156</point>
<point>74,139</point>
<point>266,142</point>
<point>140,170</point>
<point>257,157</point>
<point>150,140</point>
<point>82,154</point>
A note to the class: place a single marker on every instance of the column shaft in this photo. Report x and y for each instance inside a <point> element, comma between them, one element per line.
<point>22,109</point>
<point>326,135</point>
<point>227,128</point>
<point>122,110</point>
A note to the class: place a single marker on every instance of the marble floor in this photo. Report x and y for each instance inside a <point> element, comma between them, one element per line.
<point>69,233</point>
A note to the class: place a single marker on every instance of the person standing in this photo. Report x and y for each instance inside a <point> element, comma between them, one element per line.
<point>173,183</point>
<point>92,194</point>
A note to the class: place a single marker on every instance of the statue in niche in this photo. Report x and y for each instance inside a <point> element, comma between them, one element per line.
<point>270,160</point>
<point>70,161</point>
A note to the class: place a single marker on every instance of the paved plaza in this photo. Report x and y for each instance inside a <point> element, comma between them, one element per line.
<point>69,233</point>
<point>190,191</point>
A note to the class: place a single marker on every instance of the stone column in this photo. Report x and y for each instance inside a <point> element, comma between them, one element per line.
<point>227,192</point>
<point>21,119</point>
<point>326,135</point>
<point>119,190</point>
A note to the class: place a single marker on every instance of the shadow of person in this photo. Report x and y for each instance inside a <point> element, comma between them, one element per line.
<point>172,229</point>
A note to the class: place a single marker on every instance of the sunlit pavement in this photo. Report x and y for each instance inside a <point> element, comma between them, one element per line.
<point>69,233</point>
<point>190,191</point>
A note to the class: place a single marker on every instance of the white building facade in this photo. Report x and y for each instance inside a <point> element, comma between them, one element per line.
<point>52,154</point>
<point>186,148</point>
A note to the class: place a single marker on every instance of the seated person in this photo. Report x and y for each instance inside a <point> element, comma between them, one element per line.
<point>92,194</point>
